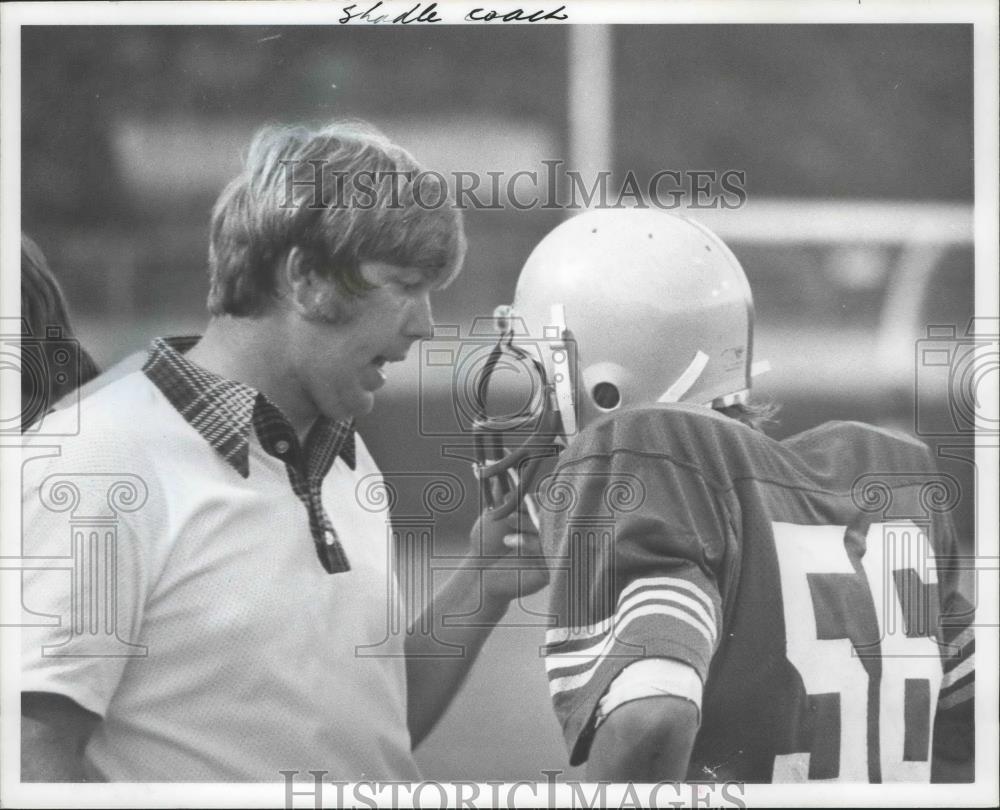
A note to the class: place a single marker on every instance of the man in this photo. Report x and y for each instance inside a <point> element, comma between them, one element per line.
<point>230,584</point>
<point>730,607</point>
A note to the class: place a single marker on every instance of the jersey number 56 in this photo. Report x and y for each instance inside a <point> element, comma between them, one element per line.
<point>869,665</point>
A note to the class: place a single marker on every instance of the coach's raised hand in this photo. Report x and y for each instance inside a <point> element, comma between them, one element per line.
<point>508,552</point>
<point>504,561</point>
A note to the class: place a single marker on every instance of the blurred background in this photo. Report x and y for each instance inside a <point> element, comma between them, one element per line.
<point>857,147</point>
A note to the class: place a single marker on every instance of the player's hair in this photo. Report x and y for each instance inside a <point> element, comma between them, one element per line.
<point>43,309</point>
<point>753,413</point>
<point>344,194</point>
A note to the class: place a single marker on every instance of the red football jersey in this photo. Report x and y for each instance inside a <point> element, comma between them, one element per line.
<point>811,583</point>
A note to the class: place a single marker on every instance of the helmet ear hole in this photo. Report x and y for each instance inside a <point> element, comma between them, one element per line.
<point>606,396</point>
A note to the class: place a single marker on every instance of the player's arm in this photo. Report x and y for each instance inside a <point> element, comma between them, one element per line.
<point>646,723</point>
<point>491,575</point>
<point>54,733</point>
<point>639,611</point>
<point>647,740</point>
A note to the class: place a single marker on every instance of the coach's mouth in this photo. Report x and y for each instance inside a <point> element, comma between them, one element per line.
<point>381,361</point>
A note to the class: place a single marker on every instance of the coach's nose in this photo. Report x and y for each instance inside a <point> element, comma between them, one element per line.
<point>420,323</point>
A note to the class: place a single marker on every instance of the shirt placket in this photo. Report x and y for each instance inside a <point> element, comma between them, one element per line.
<point>308,488</point>
<point>328,547</point>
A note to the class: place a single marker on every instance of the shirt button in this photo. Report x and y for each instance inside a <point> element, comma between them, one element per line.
<point>282,446</point>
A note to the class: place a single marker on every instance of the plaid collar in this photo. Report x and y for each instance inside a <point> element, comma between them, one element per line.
<point>222,412</point>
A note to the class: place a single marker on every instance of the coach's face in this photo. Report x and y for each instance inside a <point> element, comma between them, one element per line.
<point>341,347</point>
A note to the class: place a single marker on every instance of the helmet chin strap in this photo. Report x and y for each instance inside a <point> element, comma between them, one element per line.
<point>690,375</point>
<point>686,379</point>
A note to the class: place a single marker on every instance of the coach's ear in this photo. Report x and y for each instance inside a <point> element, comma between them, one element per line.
<point>295,277</point>
<point>309,294</point>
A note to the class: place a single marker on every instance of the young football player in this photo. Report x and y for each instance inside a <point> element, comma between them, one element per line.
<point>730,607</point>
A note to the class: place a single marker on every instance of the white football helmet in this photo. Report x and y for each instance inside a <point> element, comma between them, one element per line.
<point>619,308</point>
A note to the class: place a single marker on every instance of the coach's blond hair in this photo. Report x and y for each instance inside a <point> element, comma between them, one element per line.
<point>344,194</point>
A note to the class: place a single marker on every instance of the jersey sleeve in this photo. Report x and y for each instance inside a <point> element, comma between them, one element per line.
<point>86,576</point>
<point>633,540</point>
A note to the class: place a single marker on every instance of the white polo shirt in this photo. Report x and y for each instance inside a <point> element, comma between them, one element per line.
<point>256,660</point>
